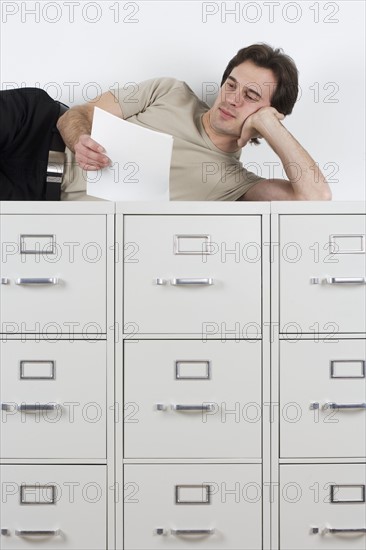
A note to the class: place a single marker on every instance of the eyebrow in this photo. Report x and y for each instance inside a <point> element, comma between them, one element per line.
<point>251,90</point>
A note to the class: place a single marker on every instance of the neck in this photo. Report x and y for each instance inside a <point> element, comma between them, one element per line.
<point>225,142</point>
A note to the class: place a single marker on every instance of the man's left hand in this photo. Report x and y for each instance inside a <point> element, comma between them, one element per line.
<point>256,122</point>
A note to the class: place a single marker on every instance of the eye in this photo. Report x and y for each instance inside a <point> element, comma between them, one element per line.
<point>230,85</point>
<point>251,97</point>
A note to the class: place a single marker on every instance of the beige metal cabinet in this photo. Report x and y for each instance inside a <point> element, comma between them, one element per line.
<point>57,376</point>
<point>194,293</point>
<point>318,376</point>
<point>239,338</point>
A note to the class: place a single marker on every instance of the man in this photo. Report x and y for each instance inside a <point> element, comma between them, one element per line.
<point>259,88</point>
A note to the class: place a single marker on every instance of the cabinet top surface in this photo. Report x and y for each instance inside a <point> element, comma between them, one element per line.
<point>243,207</point>
<point>57,207</point>
<point>318,207</point>
<point>183,207</point>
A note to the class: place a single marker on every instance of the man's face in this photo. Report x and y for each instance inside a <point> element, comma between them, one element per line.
<point>247,89</point>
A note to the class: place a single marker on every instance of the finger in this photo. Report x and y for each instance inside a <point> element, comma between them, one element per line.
<point>83,153</point>
<point>84,160</point>
<point>86,166</point>
<point>90,143</point>
<point>91,168</point>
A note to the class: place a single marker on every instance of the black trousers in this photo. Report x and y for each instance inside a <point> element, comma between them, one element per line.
<point>27,119</point>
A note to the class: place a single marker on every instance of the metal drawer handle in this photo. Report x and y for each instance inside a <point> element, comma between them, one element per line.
<point>25,407</point>
<point>338,280</point>
<point>332,530</point>
<point>5,532</point>
<point>341,280</point>
<point>4,281</point>
<point>344,405</point>
<point>37,281</point>
<point>207,281</point>
<point>192,532</point>
<point>182,282</point>
<point>315,406</point>
<point>206,407</point>
<point>37,533</point>
<point>178,532</point>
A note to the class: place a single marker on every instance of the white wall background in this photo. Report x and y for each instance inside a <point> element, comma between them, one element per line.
<point>77,49</point>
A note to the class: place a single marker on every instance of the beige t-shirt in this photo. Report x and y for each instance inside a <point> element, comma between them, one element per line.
<point>199,170</point>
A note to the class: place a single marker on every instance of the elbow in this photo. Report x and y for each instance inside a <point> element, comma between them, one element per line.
<point>327,196</point>
<point>326,193</point>
<point>60,122</point>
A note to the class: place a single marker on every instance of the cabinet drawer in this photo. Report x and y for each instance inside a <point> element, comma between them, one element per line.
<point>67,501</point>
<point>53,271</point>
<point>321,496</point>
<point>323,273</point>
<point>64,385</point>
<point>322,398</point>
<point>193,274</point>
<point>223,500</point>
<point>221,381</point>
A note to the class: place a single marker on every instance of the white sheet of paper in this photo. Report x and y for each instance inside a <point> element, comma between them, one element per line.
<point>140,157</point>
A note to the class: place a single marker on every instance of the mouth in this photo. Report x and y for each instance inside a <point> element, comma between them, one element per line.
<point>225,113</point>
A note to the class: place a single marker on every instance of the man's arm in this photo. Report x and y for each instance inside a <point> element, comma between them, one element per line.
<point>75,128</point>
<point>305,180</point>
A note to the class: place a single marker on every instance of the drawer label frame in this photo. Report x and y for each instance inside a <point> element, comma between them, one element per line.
<point>50,242</point>
<point>203,494</point>
<point>206,375</point>
<point>206,247</point>
<point>38,488</point>
<point>27,362</point>
<point>334,489</point>
<point>334,246</point>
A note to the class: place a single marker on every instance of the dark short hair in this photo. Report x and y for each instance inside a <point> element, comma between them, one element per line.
<point>283,67</point>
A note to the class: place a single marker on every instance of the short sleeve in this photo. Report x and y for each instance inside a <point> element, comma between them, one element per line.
<point>135,97</point>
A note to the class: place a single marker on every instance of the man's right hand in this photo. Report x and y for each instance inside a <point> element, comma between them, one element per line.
<point>75,128</point>
<point>89,154</point>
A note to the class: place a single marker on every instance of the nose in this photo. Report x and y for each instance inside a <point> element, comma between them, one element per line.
<point>233,98</point>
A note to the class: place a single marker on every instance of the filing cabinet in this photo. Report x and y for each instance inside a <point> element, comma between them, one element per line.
<point>56,376</point>
<point>183,375</point>
<point>318,375</point>
<point>193,296</point>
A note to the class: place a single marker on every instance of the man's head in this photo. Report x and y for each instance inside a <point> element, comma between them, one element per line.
<point>283,97</point>
<point>257,77</point>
